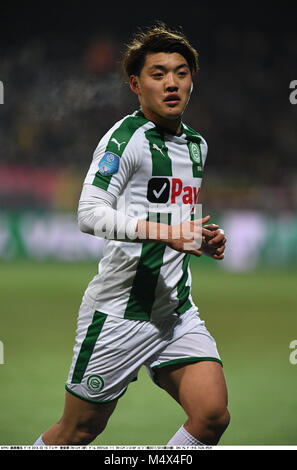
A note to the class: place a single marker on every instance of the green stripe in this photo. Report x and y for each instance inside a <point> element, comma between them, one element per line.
<point>117,143</point>
<point>87,346</point>
<point>187,360</point>
<point>193,137</point>
<point>183,291</point>
<point>89,400</point>
<point>142,295</point>
<point>191,134</point>
<point>102,181</point>
<point>161,162</point>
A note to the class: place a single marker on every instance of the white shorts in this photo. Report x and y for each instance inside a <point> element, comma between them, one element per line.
<point>110,350</point>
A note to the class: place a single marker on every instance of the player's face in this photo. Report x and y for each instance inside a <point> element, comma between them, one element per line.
<point>163,87</point>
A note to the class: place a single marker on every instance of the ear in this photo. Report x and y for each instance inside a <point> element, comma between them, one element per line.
<point>134,84</point>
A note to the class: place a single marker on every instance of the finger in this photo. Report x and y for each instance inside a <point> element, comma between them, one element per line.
<point>211,227</point>
<point>220,250</point>
<point>202,221</point>
<point>206,233</point>
<point>218,238</point>
<point>219,257</point>
<point>212,232</point>
<point>217,242</point>
<point>217,230</point>
<point>197,253</point>
<point>214,254</point>
<point>205,219</point>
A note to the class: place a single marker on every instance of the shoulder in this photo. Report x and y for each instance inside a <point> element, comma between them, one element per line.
<point>192,134</point>
<point>123,133</point>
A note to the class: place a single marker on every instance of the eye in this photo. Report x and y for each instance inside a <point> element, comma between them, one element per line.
<point>158,75</point>
<point>182,73</point>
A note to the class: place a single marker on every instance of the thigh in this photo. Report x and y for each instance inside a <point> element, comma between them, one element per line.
<point>199,387</point>
<point>81,413</point>
<point>190,344</point>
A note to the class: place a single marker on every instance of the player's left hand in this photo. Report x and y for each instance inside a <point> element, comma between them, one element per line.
<point>213,241</point>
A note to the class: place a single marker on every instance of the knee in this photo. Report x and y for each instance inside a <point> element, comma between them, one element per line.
<point>214,420</point>
<point>82,433</point>
<point>219,420</point>
<point>82,437</point>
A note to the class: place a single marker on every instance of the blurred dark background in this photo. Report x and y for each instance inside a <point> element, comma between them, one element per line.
<point>63,89</point>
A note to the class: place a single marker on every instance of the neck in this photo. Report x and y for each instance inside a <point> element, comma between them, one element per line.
<point>172,125</point>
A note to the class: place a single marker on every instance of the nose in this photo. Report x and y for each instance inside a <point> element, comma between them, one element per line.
<point>171,84</point>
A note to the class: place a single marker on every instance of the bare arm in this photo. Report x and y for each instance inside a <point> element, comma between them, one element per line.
<point>97,216</point>
<point>186,237</point>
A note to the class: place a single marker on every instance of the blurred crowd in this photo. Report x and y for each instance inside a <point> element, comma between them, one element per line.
<point>60,98</point>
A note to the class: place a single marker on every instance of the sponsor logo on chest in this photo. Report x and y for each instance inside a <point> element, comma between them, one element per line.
<point>163,190</point>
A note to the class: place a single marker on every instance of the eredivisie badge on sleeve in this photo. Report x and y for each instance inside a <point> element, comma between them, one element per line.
<point>109,164</point>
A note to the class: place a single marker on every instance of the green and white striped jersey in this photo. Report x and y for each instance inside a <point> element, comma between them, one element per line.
<point>158,175</point>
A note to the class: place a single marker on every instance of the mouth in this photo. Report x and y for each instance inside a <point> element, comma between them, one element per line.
<point>172,99</point>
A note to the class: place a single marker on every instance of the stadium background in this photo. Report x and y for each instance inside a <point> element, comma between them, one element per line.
<point>63,88</point>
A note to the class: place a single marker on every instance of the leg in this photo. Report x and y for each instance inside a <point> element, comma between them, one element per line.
<point>81,422</point>
<point>201,390</point>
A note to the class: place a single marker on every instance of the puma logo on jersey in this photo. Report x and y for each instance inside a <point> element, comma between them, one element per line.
<point>117,143</point>
<point>155,146</point>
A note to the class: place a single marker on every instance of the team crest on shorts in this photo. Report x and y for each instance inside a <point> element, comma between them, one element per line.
<point>95,383</point>
<point>109,164</point>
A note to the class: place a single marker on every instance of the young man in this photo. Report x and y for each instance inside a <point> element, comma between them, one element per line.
<point>140,194</point>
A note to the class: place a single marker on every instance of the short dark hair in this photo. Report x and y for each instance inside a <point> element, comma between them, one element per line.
<point>158,38</point>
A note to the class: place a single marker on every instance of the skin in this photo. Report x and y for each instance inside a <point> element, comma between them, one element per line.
<point>199,388</point>
<point>162,76</point>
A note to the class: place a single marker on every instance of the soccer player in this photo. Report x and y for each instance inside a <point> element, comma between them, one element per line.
<point>140,194</point>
